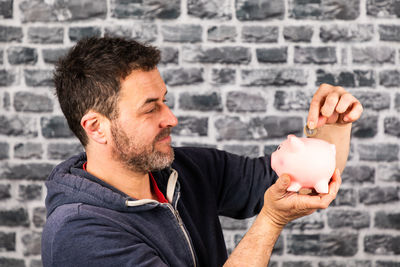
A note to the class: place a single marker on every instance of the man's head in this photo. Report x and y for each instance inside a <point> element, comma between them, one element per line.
<point>105,86</point>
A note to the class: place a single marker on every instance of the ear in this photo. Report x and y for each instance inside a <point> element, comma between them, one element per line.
<point>295,144</point>
<point>93,123</point>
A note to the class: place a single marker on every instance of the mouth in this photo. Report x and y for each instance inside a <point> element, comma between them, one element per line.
<point>164,136</point>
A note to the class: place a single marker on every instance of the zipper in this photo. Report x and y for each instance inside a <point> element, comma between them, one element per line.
<point>180,222</point>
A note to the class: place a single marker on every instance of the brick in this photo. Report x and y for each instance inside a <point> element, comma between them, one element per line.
<point>36,263</point>
<point>52,56</point>
<point>62,151</point>
<point>348,218</point>
<point>373,101</point>
<point>145,32</point>
<point>6,101</point>
<point>221,33</point>
<point>315,221</point>
<point>198,144</point>
<point>232,128</point>
<point>397,102</point>
<point>260,34</point>
<point>388,172</point>
<point>272,55</point>
<point>10,34</point>
<point>7,241</point>
<point>345,197</point>
<point>59,10</point>
<point>191,126</point>
<point>298,33</point>
<point>32,102</point>
<point>383,8</point>
<point>6,9</point>
<point>389,78</point>
<point>336,244</point>
<point>355,78</point>
<point>183,76</point>
<point>297,100</point>
<point>39,217</point>
<point>145,10</point>
<point>379,152</point>
<point>347,33</point>
<point>225,54</point>
<point>245,102</point>
<point>347,263</point>
<point>7,77</point>
<point>5,191</point>
<point>118,31</point>
<point>392,126</point>
<point>387,264</point>
<point>251,151</point>
<point>297,264</point>
<point>36,78</point>
<point>22,55</point>
<point>30,192</point>
<point>373,55</point>
<point>359,174</point>
<point>11,262</point>
<point>324,10</point>
<point>210,9</point>
<point>385,220</point>
<point>275,77</point>
<point>77,33</point>
<point>1,56</point>
<point>28,150</point>
<point>46,35</point>
<point>365,127</point>
<point>382,244</point>
<point>32,243</point>
<point>170,98</point>
<point>4,151</point>
<point>26,171</point>
<point>223,76</point>
<point>389,33</point>
<point>14,217</point>
<point>15,125</point>
<point>315,55</point>
<point>169,55</point>
<point>378,195</point>
<point>203,102</point>
<point>55,127</point>
<point>228,223</point>
<point>259,9</point>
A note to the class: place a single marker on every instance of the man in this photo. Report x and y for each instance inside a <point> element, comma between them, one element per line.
<point>132,200</point>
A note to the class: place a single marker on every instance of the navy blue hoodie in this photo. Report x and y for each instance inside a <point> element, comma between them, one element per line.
<point>90,223</point>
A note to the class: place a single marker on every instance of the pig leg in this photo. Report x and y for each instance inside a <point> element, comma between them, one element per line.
<point>322,187</point>
<point>294,187</point>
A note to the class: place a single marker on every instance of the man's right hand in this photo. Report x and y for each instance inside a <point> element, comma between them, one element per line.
<point>281,206</point>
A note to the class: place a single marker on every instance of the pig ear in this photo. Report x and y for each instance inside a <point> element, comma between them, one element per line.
<point>295,143</point>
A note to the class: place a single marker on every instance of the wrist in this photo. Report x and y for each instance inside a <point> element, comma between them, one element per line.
<point>269,220</point>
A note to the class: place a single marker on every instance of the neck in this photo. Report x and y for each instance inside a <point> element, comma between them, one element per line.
<point>134,184</point>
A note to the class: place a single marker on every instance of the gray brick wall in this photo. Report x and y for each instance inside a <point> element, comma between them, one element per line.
<point>240,75</point>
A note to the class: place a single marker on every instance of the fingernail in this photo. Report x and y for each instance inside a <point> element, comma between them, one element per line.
<point>311,124</point>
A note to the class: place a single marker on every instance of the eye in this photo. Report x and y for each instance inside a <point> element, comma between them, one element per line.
<point>279,147</point>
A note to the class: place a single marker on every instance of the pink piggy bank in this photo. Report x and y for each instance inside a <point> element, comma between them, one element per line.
<point>310,162</point>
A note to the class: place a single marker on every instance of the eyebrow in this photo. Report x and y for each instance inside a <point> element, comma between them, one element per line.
<point>151,100</point>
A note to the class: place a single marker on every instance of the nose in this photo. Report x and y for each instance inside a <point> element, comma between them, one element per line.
<point>168,118</point>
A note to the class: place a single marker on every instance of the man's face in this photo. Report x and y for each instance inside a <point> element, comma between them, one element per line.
<point>141,133</point>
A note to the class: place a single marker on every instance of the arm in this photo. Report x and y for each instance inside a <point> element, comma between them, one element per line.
<point>282,207</point>
<point>332,111</point>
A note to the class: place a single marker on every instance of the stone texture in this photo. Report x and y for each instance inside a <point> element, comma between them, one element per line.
<point>55,127</point>
<point>39,77</point>
<point>388,172</point>
<point>46,35</point>
<point>118,31</point>
<point>63,151</point>
<point>385,220</point>
<point>392,126</point>
<point>276,77</point>
<point>14,217</point>
<point>389,78</point>
<point>260,34</point>
<point>251,151</point>
<point>36,263</point>
<point>232,224</point>
<point>4,148</point>
<point>7,241</point>
<point>298,33</point>
<point>52,56</point>
<point>15,125</point>
<point>224,54</point>
<point>245,102</point>
<point>10,262</point>
<point>32,243</point>
<point>355,78</point>
<point>169,55</point>
<point>315,55</point>
<point>397,102</point>
<point>324,10</point>
<point>39,217</point>
<point>314,221</point>
<point>28,150</point>
<point>346,263</point>
<point>7,77</point>
<point>297,264</point>
<point>387,264</point>
<point>203,102</point>
<point>144,32</point>
<point>259,9</point>
<point>292,100</point>
<point>383,8</point>
<point>25,171</point>
<point>378,195</point>
<point>32,102</point>
<point>210,9</point>
<point>181,76</point>
<point>348,218</point>
<point>30,192</point>
<point>366,126</point>
<point>191,126</point>
<point>373,101</point>
<point>145,10</point>
<point>379,152</point>
<point>77,33</point>
<point>345,197</point>
<point>272,55</point>
<point>6,9</point>
<point>347,33</point>
<point>223,76</point>
<point>60,10</point>
<point>5,191</point>
<point>222,33</point>
<point>382,244</point>
<point>10,34</point>
<point>389,33</point>
<point>373,55</point>
<point>22,55</point>
<point>359,174</point>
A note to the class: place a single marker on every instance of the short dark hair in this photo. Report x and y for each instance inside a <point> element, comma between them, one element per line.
<point>89,76</point>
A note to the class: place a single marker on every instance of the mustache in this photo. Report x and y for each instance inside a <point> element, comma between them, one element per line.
<point>164,133</point>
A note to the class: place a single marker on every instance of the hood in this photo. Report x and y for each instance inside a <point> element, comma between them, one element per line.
<point>68,183</point>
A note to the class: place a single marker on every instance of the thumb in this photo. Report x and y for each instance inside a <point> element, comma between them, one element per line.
<point>283,183</point>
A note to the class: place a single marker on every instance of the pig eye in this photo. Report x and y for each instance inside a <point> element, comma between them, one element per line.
<point>279,147</point>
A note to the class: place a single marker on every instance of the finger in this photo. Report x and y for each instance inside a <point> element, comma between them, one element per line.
<point>313,113</point>
<point>346,101</point>
<point>334,186</point>
<point>283,183</point>
<point>330,104</point>
<point>355,113</point>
